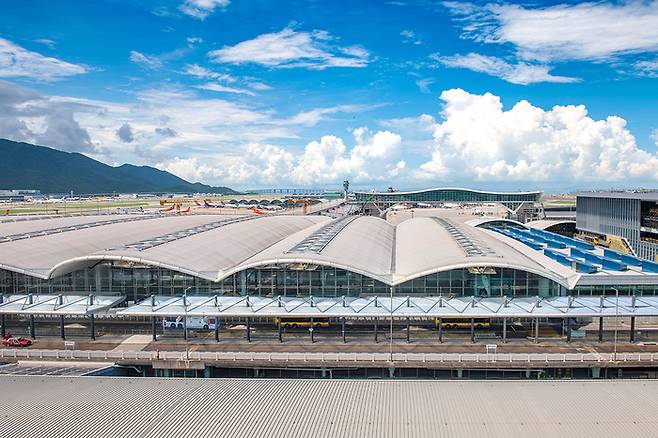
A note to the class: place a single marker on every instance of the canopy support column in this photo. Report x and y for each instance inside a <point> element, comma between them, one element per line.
<point>185,328</point>
<point>440,328</point>
<point>601,329</point>
<point>632,329</point>
<point>61,327</point>
<point>248,329</point>
<point>92,326</point>
<point>568,328</point>
<point>3,329</point>
<point>217,323</point>
<point>375,329</point>
<point>311,329</point>
<point>343,329</point>
<point>279,329</point>
<point>154,332</point>
<point>408,331</point>
<point>154,329</point>
<point>30,300</point>
<point>473,330</point>
<point>504,330</point>
<point>536,330</point>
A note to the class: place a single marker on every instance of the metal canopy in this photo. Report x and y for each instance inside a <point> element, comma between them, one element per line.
<point>33,304</point>
<point>398,307</point>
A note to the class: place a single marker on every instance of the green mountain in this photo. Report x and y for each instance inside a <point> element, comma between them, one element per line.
<point>26,166</point>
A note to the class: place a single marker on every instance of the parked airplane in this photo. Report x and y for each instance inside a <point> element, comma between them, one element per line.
<point>271,207</point>
<point>208,204</point>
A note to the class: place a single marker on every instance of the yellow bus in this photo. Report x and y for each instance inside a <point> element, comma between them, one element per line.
<point>453,323</point>
<point>302,322</point>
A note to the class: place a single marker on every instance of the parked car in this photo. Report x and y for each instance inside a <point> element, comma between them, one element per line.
<point>17,342</point>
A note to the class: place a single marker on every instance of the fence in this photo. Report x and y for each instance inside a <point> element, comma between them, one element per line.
<point>352,358</point>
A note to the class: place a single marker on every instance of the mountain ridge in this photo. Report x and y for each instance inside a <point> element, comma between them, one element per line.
<point>28,166</point>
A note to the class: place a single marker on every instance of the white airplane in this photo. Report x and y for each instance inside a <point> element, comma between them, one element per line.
<point>423,205</point>
<point>403,206</point>
<point>245,206</point>
<point>270,207</point>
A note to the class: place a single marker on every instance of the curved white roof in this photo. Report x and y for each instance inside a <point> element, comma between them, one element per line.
<point>436,189</point>
<point>216,246</point>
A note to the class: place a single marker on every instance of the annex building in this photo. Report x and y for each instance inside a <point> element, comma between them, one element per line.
<point>629,216</point>
<point>523,206</point>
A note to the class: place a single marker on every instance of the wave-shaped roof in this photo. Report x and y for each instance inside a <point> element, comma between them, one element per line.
<point>216,246</point>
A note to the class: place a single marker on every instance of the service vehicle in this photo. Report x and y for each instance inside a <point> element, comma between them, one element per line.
<point>193,322</point>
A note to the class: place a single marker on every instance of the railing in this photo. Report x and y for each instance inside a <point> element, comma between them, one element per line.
<point>416,358</point>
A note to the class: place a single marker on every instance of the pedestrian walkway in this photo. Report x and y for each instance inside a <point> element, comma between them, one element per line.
<point>134,343</point>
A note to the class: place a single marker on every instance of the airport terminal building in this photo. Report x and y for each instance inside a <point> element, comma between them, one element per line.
<point>523,206</point>
<point>278,265</point>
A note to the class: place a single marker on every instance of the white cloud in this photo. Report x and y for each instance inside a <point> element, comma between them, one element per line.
<point>289,48</point>
<point>314,116</point>
<point>410,37</point>
<point>17,62</point>
<point>259,86</point>
<point>201,9</point>
<point>150,62</point>
<point>374,157</point>
<point>479,140</point>
<point>213,86</point>
<point>647,68</point>
<point>424,84</point>
<point>585,31</point>
<point>521,73</point>
<point>200,72</point>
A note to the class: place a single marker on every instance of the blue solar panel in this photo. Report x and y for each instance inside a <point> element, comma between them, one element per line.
<point>626,258</point>
<point>605,262</point>
<point>649,266</point>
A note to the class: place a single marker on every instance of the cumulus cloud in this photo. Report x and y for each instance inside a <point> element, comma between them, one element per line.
<point>125,133</point>
<point>201,9</point>
<point>582,31</point>
<point>373,157</point>
<point>26,115</point>
<point>289,48</point>
<point>520,73</point>
<point>17,62</point>
<point>479,140</point>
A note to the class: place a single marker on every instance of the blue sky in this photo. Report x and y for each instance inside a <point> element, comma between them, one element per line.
<point>251,94</point>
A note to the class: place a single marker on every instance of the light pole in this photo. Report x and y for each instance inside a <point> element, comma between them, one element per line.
<point>187,349</point>
<point>390,341</point>
<point>616,321</point>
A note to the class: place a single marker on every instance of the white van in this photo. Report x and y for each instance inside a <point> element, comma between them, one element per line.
<point>193,322</point>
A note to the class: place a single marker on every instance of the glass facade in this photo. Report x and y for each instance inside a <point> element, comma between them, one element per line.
<point>494,282</point>
<point>639,290</point>
<point>138,282</point>
<point>447,195</point>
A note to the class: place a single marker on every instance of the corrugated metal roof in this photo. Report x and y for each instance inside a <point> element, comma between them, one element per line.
<point>98,407</point>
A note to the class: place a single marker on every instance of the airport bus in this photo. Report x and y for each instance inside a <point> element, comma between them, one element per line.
<point>453,323</point>
<point>302,322</point>
<point>193,322</point>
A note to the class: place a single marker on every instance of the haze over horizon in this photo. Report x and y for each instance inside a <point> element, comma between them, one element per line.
<point>409,94</point>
